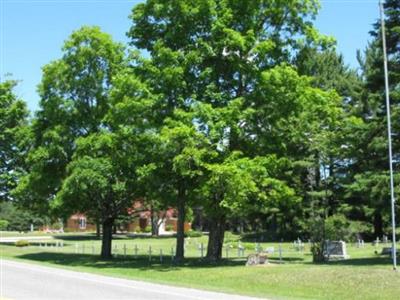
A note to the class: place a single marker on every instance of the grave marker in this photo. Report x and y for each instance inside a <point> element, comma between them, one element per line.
<point>149,253</point>
<point>335,250</point>
<point>270,250</point>
<point>240,248</point>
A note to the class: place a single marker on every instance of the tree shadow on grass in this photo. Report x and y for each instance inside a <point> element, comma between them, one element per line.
<point>142,262</point>
<point>286,260</point>
<point>363,261</point>
<point>360,261</point>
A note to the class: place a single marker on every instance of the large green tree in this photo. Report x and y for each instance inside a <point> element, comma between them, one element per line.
<point>74,96</point>
<point>237,187</point>
<point>14,138</point>
<point>101,180</point>
<point>216,51</point>
<point>178,154</point>
<point>103,175</point>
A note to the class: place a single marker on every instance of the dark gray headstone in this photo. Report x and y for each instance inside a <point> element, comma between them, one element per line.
<point>334,250</point>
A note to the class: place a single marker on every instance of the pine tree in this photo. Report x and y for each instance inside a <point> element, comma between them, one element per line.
<point>368,192</point>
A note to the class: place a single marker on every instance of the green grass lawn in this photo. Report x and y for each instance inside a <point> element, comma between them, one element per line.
<point>364,276</point>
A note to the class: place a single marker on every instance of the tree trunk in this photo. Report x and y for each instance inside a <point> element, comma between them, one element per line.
<point>106,242</point>
<point>154,222</point>
<point>215,239</point>
<point>180,230</point>
<point>97,228</point>
<point>378,224</point>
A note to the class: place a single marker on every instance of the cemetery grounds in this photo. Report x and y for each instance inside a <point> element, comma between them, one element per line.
<point>290,275</point>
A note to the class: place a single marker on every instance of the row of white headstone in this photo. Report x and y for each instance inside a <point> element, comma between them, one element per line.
<point>151,252</point>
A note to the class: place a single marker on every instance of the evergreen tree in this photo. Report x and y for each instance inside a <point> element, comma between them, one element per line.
<point>369,194</point>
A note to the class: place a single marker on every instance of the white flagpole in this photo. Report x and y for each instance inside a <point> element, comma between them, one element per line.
<point>394,252</point>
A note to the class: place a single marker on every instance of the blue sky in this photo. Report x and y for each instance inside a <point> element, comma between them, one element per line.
<point>32,31</point>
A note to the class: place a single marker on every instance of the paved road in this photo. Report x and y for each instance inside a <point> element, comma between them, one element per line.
<point>27,281</point>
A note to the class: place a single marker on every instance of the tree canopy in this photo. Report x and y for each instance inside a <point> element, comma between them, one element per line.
<point>14,138</point>
<point>239,108</point>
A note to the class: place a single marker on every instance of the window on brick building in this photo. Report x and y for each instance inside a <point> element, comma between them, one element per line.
<point>82,223</point>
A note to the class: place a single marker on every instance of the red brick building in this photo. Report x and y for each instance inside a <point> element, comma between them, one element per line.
<point>78,223</point>
<point>140,218</point>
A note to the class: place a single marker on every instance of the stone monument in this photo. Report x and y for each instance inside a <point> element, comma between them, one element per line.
<point>335,250</point>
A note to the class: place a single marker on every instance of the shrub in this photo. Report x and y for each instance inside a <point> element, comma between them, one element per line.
<point>338,227</point>
<point>257,236</point>
<point>247,246</point>
<point>193,234</point>
<point>231,237</point>
<point>169,228</point>
<point>316,227</point>
<point>3,224</point>
<point>56,226</point>
<point>22,243</point>
<point>147,229</point>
